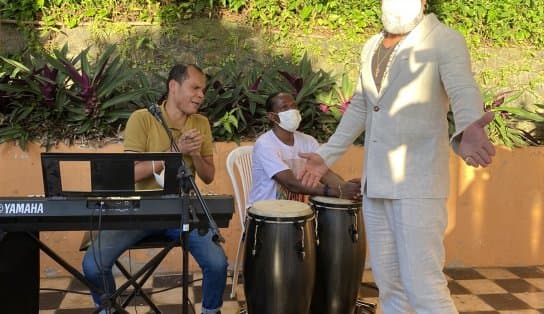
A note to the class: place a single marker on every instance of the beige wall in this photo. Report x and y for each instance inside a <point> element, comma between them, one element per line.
<point>496,215</point>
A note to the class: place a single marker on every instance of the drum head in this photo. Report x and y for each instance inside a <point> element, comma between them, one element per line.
<point>280,209</point>
<point>333,202</point>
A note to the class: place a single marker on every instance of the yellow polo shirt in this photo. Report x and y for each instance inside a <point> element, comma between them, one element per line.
<point>144,133</point>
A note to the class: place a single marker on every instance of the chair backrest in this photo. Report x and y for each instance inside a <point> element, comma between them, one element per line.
<point>239,161</point>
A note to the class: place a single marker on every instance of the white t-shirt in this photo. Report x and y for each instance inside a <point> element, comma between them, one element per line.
<point>271,156</point>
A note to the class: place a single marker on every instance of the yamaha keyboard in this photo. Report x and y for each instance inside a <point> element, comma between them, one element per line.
<point>94,213</point>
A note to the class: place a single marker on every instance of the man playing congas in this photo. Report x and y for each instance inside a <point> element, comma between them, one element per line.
<point>275,160</point>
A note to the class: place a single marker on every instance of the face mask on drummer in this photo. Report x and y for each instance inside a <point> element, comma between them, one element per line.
<point>289,120</point>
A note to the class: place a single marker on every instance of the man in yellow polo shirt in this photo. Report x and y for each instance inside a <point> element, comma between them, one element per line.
<point>192,134</point>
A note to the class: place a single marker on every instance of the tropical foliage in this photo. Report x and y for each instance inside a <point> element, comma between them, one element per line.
<point>489,22</point>
<point>52,98</point>
<point>505,129</point>
<point>236,96</point>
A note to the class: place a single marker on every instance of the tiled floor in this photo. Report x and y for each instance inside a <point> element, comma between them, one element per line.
<point>474,290</point>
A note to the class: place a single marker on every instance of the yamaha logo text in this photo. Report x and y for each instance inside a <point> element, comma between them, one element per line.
<point>21,208</point>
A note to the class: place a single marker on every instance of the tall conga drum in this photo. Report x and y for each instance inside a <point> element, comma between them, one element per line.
<point>279,257</point>
<point>340,255</point>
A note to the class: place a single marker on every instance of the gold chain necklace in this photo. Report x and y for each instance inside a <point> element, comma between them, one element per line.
<point>379,61</point>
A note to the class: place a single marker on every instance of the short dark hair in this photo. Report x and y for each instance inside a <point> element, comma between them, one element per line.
<point>270,101</point>
<point>178,73</point>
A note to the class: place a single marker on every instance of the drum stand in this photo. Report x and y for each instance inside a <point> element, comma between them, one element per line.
<point>362,307</point>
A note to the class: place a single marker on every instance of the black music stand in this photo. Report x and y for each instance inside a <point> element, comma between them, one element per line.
<point>112,175</point>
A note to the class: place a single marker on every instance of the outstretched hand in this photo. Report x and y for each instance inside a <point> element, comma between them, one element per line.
<point>314,169</point>
<point>475,147</point>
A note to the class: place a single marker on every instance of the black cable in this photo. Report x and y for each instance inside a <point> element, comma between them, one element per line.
<point>65,291</point>
<point>99,262</point>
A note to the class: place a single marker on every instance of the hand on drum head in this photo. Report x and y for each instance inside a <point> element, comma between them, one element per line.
<point>350,190</point>
<point>314,169</point>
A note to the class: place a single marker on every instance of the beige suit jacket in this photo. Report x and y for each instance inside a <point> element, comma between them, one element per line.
<point>406,138</point>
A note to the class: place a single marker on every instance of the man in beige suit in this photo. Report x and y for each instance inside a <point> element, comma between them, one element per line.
<point>411,73</point>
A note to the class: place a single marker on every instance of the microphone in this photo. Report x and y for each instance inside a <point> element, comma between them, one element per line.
<point>155,110</point>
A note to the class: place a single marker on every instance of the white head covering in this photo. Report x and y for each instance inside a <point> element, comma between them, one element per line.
<point>401,16</point>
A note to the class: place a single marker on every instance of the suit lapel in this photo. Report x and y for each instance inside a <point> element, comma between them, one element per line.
<point>367,78</point>
<point>405,49</point>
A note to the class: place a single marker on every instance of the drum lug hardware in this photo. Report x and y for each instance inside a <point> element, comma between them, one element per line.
<point>302,247</point>
<point>317,227</point>
<point>254,250</point>
<point>354,233</point>
<point>354,227</point>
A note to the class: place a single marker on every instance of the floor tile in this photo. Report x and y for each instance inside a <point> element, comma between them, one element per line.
<point>521,312</point>
<point>172,296</point>
<point>496,273</point>
<point>368,276</point>
<point>456,288</point>
<point>463,274</point>
<point>367,290</point>
<point>504,302</point>
<point>176,309</point>
<point>51,300</point>
<point>74,301</point>
<point>516,285</point>
<point>468,302</point>
<point>77,285</point>
<point>537,282</point>
<point>481,286</point>
<point>56,283</point>
<point>535,300</point>
<point>74,311</point>
<point>165,281</point>
<point>138,309</point>
<point>483,290</point>
<point>527,272</point>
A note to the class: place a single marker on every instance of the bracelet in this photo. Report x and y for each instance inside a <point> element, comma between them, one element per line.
<point>326,190</point>
<point>340,191</point>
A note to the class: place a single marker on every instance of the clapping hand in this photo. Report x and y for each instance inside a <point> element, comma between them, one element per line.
<point>190,142</point>
<point>475,147</point>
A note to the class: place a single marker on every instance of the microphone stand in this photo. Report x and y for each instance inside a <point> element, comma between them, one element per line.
<point>187,183</point>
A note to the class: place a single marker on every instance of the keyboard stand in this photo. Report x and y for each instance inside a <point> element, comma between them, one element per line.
<point>74,272</point>
<point>109,301</point>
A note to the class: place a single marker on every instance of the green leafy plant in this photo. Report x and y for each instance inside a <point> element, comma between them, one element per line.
<point>236,95</point>
<point>33,106</point>
<point>309,85</point>
<point>338,100</point>
<point>235,99</point>
<point>56,97</point>
<point>504,128</point>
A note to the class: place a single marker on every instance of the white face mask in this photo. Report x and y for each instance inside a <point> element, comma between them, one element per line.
<point>159,178</point>
<point>290,119</point>
<point>401,16</point>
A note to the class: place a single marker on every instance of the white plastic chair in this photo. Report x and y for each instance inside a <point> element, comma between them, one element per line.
<point>239,161</point>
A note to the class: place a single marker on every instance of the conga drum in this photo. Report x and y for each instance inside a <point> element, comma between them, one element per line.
<point>279,257</point>
<point>340,255</point>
